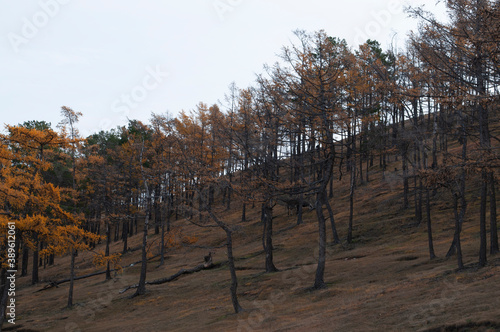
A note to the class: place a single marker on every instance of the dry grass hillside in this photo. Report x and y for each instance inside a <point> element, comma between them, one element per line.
<point>384,281</point>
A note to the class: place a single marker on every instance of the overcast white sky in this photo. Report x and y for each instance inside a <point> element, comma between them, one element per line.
<point>114,59</point>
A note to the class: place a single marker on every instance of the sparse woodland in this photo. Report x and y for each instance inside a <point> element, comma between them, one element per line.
<point>323,116</point>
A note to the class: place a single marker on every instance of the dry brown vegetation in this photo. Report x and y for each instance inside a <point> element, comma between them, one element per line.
<point>384,281</point>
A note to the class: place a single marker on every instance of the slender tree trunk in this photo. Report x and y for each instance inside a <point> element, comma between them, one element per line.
<point>229,191</point>
<point>351,203</point>
<point>267,236</point>
<point>125,236</point>
<point>232,269</point>
<point>485,141</point>
<point>244,213</point>
<point>158,217</point>
<point>320,270</point>
<point>169,211</point>
<point>141,289</point>
<point>459,216</point>
<point>71,279</point>
<point>336,239</point>
<point>432,255</point>
<point>405,179</point>
<point>24,264</point>
<point>415,198</point>
<point>106,253</point>
<point>162,248</point>
<point>34,272</point>
<point>482,219</point>
<point>4,288</point>
<point>458,229</point>
<point>493,217</point>
<point>367,170</point>
<point>361,155</point>
<point>300,209</point>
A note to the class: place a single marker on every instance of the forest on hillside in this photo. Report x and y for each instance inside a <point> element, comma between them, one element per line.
<point>323,108</point>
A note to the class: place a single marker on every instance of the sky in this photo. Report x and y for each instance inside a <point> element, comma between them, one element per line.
<point>115,60</point>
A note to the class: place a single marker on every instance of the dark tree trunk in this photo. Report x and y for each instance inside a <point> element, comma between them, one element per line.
<point>482,219</point>
<point>351,204</point>
<point>367,170</point>
<point>432,255</point>
<point>169,211</point>
<point>232,269</point>
<point>71,279</point>
<point>211,196</point>
<point>125,236</point>
<point>267,236</point>
<point>485,141</point>
<point>106,253</point>
<point>300,209</point>
<point>361,155</point>
<point>24,264</point>
<point>229,192</point>
<point>34,272</point>
<point>243,213</point>
<point>420,200</point>
<point>458,229</point>
<point>162,248</point>
<point>4,288</point>
<point>493,216</point>
<point>141,289</point>
<point>157,221</point>
<point>320,270</point>
<point>405,180</point>
<point>336,239</point>
<point>114,231</point>
<point>459,216</point>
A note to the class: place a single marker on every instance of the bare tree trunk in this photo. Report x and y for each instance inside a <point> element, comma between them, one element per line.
<point>458,229</point>
<point>71,279</point>
<point>229,191</point>
<point>141,290</point>
<point>24,264</point>
<point>267,236</point>
<point>232,269</point>
<point>230,259</point>
<point>459,216</point>
<point>482,219</point>
<point>336,239</point>
<point>4,288</point>
<point>300,209</point>
<point>405,179</point>
<point>125,236</point>
<point>158,216</point>
<point>162,249</point>
<point>34,272</point>
<point>432,255</point>
<point>106,253</point>
<point>367,168</point>
<point>493,217</point>
<point>320,270</point>
<point>351,203</point>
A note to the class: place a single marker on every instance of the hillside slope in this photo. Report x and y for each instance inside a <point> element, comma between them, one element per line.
<point>384,281</point>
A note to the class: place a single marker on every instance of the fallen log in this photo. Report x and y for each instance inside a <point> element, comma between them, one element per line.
<point>197,268</point>
<point>53,284</point>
